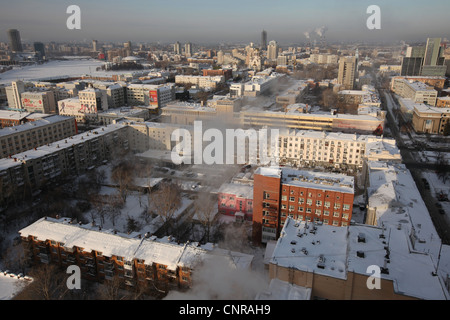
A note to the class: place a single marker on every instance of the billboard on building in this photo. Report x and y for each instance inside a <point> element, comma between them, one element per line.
<point>153,97</point>
<point>32,103</point>
<point>74,107</point>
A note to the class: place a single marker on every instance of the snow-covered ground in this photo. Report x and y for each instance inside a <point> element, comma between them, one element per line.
<point>11,284</point>
<point>437,186</point>
<point>52,69</point>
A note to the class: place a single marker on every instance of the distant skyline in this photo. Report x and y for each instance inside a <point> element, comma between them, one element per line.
<point>200,21</point>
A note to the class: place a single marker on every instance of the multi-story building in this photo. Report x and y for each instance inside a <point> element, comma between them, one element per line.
<point>298,117</point>
<point>264,40</point>
<point>34,134</point>
<point>425,60</point>
<point>437,82</point>
<point>202,82</point>
<point>347,72</point>
<point>93,100</point>
<point>443,102</point>
<point>322,58</point>
<point>417,91</point>
<point>156,96</point>
<point>70,156</point>
<point>272,50</point>
<point>12,118</point>
<point>137,260</point>
<point>430,119</point>
<point>283,192</point>
<point>14,40</point>
<point>13,94</point>
<point>188,49</point>
<point>339,263</point>
<point>236,199</point>
<point>39,101</point>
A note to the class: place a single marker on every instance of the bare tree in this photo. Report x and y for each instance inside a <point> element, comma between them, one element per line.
<point>205,207</point>
<point>329,98</point>
<point>110,289</point>
<point>49,283</point>
<point>122,174</point>
<point>166,201</point>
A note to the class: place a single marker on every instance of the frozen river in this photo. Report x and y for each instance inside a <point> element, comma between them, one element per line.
<point>75,67</point>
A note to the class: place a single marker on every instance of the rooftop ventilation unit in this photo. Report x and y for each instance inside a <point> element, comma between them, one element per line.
<point>361,237</point>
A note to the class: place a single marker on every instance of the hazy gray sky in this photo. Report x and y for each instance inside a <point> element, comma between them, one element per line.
<point>202,21</point>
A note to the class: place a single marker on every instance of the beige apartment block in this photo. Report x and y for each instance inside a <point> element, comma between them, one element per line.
<point>34,134</point>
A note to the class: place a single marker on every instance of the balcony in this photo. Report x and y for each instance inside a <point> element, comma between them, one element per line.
<point>44,257</point>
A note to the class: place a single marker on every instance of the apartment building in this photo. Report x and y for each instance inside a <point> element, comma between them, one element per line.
<point>12,118</point>
<point>324,58</point>
<point>202,82</point>
<point>137,260</point>
<point>347,72</point>
<point>443,102</point>
<point>337,263</point>
<point>72,155</point>
<point>151,135</point>
<point>150,95</point>
<point>34,134</point>
<point>283,192</point>
<point>417,91</point>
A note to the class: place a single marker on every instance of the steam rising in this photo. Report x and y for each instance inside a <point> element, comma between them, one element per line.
<point>217,279</point>
<point>321,31</point>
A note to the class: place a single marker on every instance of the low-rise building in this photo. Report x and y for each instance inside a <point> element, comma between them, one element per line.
<point>339,263</point>
<point>235,199</point>
<point>430,119</point>
<point>137,260</point>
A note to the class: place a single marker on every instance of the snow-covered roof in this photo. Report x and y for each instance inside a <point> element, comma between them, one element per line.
<point>32,125</point>
<point>335,251</point>
<point>282,290</point>
<point>310,179</point>
<point>239,190</point>
<point>150,249</point>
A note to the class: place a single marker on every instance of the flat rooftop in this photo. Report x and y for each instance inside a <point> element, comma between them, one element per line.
<point>335,251</point>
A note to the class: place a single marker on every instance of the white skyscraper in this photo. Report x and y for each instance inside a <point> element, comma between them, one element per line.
<point>272,50</point>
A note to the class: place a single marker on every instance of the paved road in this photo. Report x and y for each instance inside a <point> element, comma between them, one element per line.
<point>440,222</point>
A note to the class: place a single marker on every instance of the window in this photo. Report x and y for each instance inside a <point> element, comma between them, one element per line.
<point>309,202</point>
<point>318,203</point>
<point>335,214</point>
<point>345,216</point>
<point>301,200</point>
<point>291,208</point>
<point>337,205</point>
<point>318,212</point>
<point>308,210</point>
<point>300,209</point>
<point>266,195</point>
<point>291,198</point>
<point>346,207</point>
<point>335,223</point>
<point>326,212</point>
<point>283,206</point>
<point>283,198</point>
<point>327,204</point>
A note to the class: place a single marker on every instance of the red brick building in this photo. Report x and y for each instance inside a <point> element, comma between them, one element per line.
<point>306,196</point>
<point>136,260</point>
<point>227,73</point>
